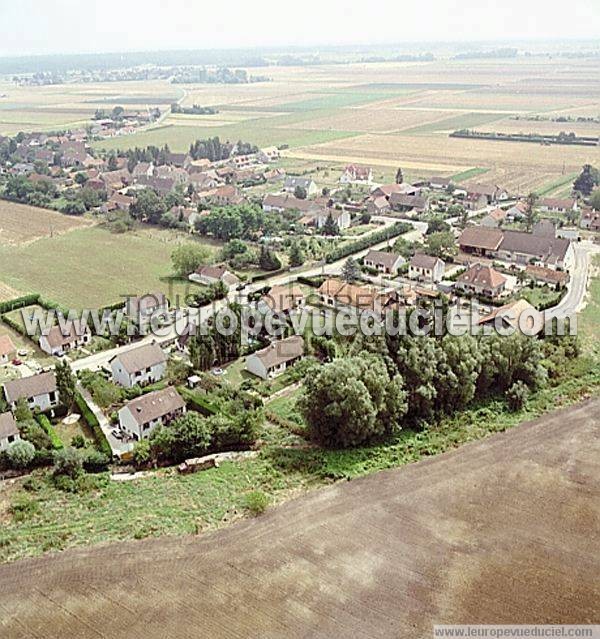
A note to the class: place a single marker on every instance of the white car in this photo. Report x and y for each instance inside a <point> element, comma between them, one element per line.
<point>22,352</point>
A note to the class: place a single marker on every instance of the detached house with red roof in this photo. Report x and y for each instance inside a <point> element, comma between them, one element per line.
<point>355,174</point>
<point>482,280</point>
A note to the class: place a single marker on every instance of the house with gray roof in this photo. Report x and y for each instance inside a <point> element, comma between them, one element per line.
<point>383,261</point>
<point>273,360</point>
<point>142,415</point>
<point>139,366</point>
<point>9,432</point>
<point>292,182</point>
<point>39,391</point>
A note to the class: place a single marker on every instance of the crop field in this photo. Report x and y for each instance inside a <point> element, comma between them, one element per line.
<point>92,267</point>
<point>20,224</point>
<point>457,538</point>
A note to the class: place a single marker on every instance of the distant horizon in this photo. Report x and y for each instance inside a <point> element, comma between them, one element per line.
<point>69,27</point>
<point>406,46</point>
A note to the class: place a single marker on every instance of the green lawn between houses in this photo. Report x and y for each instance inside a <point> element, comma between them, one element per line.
<point>171,504</point>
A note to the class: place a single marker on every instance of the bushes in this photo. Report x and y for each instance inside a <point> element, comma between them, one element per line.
<point>516,396</point>
<point>44,422</point>
<point>197,402</point>
<point>345,250</point>
<point>101,441</point>
<point>256,502</point>
<point>20,454</point>
<point>68,462</point>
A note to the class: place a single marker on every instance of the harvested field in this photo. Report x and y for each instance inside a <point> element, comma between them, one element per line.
<point>505,530</point>
<point>20,224</point>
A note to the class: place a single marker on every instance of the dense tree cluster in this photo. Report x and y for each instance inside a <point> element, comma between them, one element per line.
<point>244,221</point>
<point>391,380</point>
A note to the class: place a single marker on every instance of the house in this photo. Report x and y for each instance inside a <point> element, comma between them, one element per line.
<point>9,432</point>
<point>517,247</point>
<point>384,262</point>
<point>293,182</point>
<point>426,267</point>
<point>354,174</point>
<point>402,202</point>
<point>139,366</point>
<point>386,190</point>
<point>475,201</point>
<point>340,217</point>
<point>492,192</point>
<point>481,279</point>
<point>224,195</point>
<point>143,307</point>
<point>274,175</point>
<point>273,360</point>
<point>544,228</point>
<point>559,205</point>
<point>143,169</point>
<point>39,391</point>
<point>281,203</point>
<point>439,183</point>
<point>120,202</point>
<point>378,205</point>
<point>57,342</point>
<point>494,219</point>
<point>269,154</point>
<point>212,274</point>
<point>517,212</point>
<point>243,161</point>
<point>335,293</point>
<point>7,349</point>
<point>590,219</point>
<point>509,316</point>
<point>282,299</point>
<point>549,276</point>
<point>142,415</point>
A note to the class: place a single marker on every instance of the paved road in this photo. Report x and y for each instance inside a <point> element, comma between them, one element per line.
<point>574,299</point>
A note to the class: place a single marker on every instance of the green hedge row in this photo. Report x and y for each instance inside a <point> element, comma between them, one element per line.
<point>19,328</point>
<point>44,422</point>
<point>101,441</point>
<point>338,253</point>
<point>19,302</point>
<point>197,402</point>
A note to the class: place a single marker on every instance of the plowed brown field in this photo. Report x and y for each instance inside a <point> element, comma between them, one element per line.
<point>504,530</point>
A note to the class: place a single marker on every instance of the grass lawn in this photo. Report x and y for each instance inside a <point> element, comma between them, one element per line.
<point>93,267</point>
<point>541,295</point>
<point>467,175</point>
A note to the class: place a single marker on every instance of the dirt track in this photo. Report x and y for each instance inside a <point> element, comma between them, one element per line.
<point>502,530</point>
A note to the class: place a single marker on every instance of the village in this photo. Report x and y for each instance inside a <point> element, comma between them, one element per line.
<point>385,248</point>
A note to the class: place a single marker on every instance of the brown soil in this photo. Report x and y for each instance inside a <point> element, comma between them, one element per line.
<point>501,530</point>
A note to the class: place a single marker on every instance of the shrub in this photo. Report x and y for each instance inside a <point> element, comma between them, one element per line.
<point>68,462</point>
<point>24,507</point>
<point>256,502</point>
<point>32,432</point>
<point>20,454</point>
<point>517,395</point>
<point>78,441</point>
<point>95,461</point>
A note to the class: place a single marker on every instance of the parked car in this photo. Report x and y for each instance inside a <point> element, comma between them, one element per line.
<point>22,352</point>
<point>16,362</point>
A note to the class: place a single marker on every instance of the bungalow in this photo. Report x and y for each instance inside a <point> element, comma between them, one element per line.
<point>212,274</point>
<point>282,299</point>
<point>482,280</point>
<point>142,415</point>
<point>143,307</point>
<point>269,154</point>
<point>39,391</point>
<point>9,432</point>
<point>7,349</point>
<point>57,342</point>
<point>384,262</point>
<point>559,205</point>
<point>273,360</point>
<point>494,219</point>
<point>354,174</point>
<point>293,182</point>
<point>426,267</point>
<point>139,366</point>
